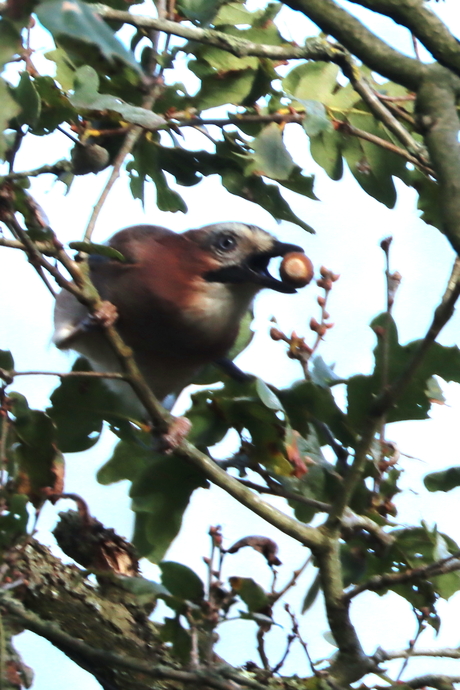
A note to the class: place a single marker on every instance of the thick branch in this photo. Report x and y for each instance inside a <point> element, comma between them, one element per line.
<point>433,680</point>
<point>119,638</point>
<point>309,536</point>
<point>437,113</point>
<point>356,38</point>
<point>424,24</point>
<point>350,663</point>
<point>446,652</point>
<point>314,49</point>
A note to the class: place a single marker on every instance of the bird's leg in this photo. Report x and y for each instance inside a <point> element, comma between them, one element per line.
<point>106,315</point>
<point>230,368</point>
<point>178,430</point>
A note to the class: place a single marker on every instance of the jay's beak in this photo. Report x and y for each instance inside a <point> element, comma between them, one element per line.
<point>255,269</point>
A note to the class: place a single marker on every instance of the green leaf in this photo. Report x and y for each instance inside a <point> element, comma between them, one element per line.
<point>415,401</point>
<point>316,119</point>
<point>99,249</point>
<point>224,62</point>
<point>79,407</point>
<point>129,458</point>
<point>268,196</point>
<point>8,111</point>
<point>181,581</point>
<point>326,150</point>
<point>312,81</point>
<point>26,95</point>
<point>301,184</point>
<point>322,374</point>
<point>208,428</point>
<point>233,13</point>
<point>216,91</point>
<point>429,200</point>
<point>13,520</point>
<point>55,107</point>
<point>10,42</point>
<point>145,591</point>
<point>6,360</point>
<point>371,175</point>
<point>251,593</point>
<point>40,463</point>
<point>75,20</point>
<point>372,165</point>
<point>65,69</point>
<point>146,164</point>
<point>307,402</point>
<point>312,593</point>
<point>420,547</point>
<point>267,396</point>
<point>172,631</point>
<point>199,11</point>
<point>87,97</point>
<point>271,157</point>
<point>445,480</point>
<point>162,490</point>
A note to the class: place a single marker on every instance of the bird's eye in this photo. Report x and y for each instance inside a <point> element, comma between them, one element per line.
<point>226,243</point>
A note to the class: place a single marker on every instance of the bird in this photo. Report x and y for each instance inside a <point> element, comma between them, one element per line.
<point>179,299</point>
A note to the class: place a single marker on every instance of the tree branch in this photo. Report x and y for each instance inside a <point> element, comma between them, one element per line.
<point>68,644</point>
<point>55,169</point>
<point>447,652</point>
<point>432,680</point>
<point>379,582</point>
<point>308,536</point>
<point>290,495</point>
<point>424,24</point>
<point>367,46</point>
<point>438,118</point>
<point>8,375</point>
<point>314,49</point>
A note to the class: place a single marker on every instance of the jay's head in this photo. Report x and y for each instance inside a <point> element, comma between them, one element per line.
<point>239,254</point>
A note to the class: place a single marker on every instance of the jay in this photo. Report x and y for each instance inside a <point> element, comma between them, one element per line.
<point>179,299</point>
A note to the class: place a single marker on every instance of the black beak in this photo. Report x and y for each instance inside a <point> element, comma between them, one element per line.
<point>255,269</point>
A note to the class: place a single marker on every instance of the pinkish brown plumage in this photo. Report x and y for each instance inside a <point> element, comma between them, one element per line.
<point>180,298</point>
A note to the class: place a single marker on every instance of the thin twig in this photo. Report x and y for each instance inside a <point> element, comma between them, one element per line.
<point>290,640</point>
<point>261,647</point>
<point>131,138</point>
<point>382,113</point>
<point>379,582</point>
<point>347,128</point>
<point>9,375</point>
<point>296,633</point>
<point>421,625</point>
<point>55,169</point>
<point>275,596</point>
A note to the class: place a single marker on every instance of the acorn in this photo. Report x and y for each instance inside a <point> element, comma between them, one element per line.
<point>91,158</point>
<point>296,269</point>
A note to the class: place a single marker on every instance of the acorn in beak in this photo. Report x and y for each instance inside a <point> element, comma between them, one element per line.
<point>255,269</point>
